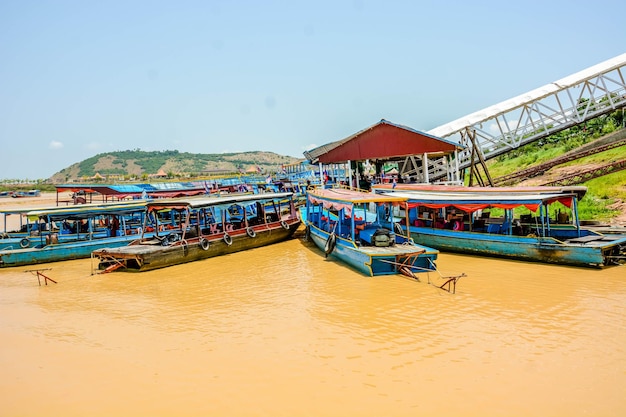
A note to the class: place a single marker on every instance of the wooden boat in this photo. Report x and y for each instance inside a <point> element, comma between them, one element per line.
<point>190,229</point>
<point>447,218</point>
<point>579,190</point>
<point>356,228</point>
<point>73,232</point>
<point>29,193</point>
<point>29,226</point>
<point>11,239</point>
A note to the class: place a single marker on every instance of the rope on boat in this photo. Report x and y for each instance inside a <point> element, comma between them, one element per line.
<point>450,283</point>
<point>407,270</point>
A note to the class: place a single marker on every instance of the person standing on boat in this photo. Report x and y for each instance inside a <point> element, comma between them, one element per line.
<point>115,225</point>
<point>42,224</point>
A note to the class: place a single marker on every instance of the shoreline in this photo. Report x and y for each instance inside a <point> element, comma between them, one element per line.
<point>49,199</point>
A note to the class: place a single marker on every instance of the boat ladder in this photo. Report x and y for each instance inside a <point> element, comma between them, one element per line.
<point>40,275</point>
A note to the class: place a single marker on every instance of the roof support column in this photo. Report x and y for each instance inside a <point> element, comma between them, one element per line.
<point>349,174</point>
<point>321,175</point>
<point>456,165</point>
<point>425,168</point>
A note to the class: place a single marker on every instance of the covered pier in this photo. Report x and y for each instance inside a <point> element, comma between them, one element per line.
<point>419,155</point>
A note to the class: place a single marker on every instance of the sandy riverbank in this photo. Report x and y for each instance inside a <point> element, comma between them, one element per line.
<point>44,200</point>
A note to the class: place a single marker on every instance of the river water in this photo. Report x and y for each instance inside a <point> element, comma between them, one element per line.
<point>282,331</point>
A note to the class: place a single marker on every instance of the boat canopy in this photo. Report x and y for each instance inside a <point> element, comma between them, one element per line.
<point>337,199</point>
<point>85,211</point>
<point>469,202</point>
<point>212,201</point>
<point>159,190</point>
<point>579,190</point>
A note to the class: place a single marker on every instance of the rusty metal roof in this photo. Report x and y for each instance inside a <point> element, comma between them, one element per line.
<point>381,141</point>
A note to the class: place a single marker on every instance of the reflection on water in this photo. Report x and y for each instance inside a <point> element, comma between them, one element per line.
<point>283,331</point>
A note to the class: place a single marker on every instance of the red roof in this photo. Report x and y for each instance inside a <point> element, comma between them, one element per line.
<point>384,140</point>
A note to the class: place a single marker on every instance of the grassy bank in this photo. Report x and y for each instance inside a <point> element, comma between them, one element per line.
<point>602,201</point>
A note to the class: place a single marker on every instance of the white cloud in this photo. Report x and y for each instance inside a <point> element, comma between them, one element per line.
<point>55,144</point>
<point>308,147</point>
<point>92,146</point>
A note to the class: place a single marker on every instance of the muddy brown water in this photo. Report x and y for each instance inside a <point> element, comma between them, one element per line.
<point>281,331</point>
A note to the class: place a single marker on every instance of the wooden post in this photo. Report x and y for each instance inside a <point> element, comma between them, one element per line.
<point>40,275</point>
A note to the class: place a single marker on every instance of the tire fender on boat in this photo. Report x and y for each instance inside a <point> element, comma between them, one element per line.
<point>307,232</point>
<point>284,224</point>
<point>250,231</point>
<point>228,239</point>
<point>24,243</point>
<point>330,244</point>
<point>204,244</point>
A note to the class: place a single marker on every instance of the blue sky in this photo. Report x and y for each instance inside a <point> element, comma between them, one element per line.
<point>78,78</point>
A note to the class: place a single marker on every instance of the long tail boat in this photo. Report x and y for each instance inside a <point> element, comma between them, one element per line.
<point>458,219</point>
<point>73,232</point>
<point>195,228</point>
<point>356,228</point>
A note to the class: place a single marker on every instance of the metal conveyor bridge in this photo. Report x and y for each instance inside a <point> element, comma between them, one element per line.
<point>505,126</point>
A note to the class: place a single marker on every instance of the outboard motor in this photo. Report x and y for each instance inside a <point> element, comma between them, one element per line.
<point>382,238</point>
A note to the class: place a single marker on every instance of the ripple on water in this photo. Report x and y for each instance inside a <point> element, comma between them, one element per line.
<point>267,326</point>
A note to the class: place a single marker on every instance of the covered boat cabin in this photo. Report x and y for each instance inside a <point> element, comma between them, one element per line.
<point>466,211</point>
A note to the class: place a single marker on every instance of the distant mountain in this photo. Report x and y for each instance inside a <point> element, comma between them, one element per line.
<point>137,164</point>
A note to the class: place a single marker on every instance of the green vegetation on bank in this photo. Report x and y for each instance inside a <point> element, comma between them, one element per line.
<point>602,192</point>
<point>150,162</point>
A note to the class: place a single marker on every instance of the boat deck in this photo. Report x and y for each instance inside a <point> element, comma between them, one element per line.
<point>392,250</point>
<point>593,240</point>
<point>132,251</point>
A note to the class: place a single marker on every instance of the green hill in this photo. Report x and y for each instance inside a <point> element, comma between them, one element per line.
<point>137,164</point>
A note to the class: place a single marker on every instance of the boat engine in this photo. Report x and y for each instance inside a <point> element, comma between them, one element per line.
<point>382,237</point>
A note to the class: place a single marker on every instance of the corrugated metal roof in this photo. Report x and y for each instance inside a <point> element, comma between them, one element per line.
<point>123,190</point>
<point>314,155</point>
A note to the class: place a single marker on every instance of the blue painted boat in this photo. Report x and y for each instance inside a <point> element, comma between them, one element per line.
<point>30,227</point>
<point>29,193</point>
<point>191,229</point>
<point>456,219</point>
<point>73,232</point>
<point>350,226</point>
<point>11,239</point>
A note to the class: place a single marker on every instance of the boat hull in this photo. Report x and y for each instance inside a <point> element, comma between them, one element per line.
<point>60,252</point>
<point>529,248</point>
<point>152,254</point>
<point>374,261</point>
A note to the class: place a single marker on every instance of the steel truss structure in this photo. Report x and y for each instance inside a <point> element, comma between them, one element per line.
<point>536,114</point>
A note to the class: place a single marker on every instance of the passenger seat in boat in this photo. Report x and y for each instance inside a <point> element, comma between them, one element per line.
<point>478,225</point>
